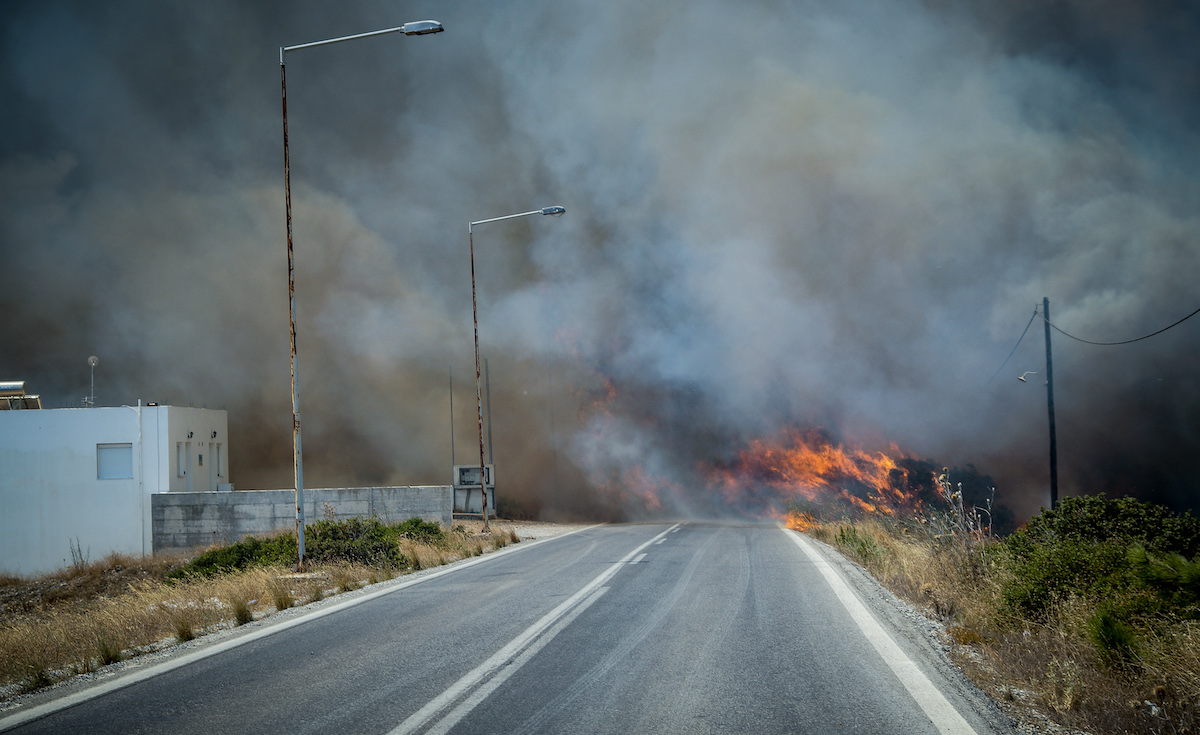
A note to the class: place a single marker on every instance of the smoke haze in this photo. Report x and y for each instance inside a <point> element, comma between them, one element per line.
<point>779,213</point>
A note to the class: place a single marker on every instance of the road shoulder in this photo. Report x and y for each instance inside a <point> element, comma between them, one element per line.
<point>922,640</point>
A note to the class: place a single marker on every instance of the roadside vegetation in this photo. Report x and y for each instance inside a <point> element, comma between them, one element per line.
<point>93,614</point>
<point>1090,613</point>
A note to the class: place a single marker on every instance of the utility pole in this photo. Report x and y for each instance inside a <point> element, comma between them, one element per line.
<point>487,380</point>
<point>1050,407</point>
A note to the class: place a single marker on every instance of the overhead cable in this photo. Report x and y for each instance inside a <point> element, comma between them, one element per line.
<point>1014,349</point>
<point>1122,342</point>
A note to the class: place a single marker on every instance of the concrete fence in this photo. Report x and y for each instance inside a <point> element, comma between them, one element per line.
<point>189,520</point>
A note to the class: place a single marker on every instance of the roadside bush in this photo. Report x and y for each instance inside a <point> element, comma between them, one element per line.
<point>366,541</point>
<point>1045,575</point>
<point>1115,640</point>
<point>1097,519</point>
<point>1123,554</point>
<point>425,532</point>
<point>1174,580</point>
<point>355,541</point>
<point>277,550</point>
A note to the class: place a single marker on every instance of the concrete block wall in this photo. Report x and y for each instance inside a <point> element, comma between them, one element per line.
<point>189,520</point>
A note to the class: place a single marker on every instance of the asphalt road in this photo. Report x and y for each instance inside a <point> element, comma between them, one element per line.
<point>687,628</point>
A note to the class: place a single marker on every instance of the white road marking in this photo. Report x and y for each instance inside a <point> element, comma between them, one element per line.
<point>449,721</point>
<point>656,543</point>
<point>638,558</point>
<point>935,705</point>
<point>482,675</point>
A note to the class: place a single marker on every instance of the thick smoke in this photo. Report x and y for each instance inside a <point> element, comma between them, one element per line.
<point>780,214</point>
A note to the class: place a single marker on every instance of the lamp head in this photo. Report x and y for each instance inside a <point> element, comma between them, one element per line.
<point>556,211</point>
<point>421,27</point>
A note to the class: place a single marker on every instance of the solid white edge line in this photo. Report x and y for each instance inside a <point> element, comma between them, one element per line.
<point>21,717</point>
<point>941,713</point>
<point>473,678</point>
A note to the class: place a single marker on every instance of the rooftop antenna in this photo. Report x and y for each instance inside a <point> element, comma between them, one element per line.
<point>93,361</point>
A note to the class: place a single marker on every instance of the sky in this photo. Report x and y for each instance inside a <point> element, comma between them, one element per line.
<point>780,214</point>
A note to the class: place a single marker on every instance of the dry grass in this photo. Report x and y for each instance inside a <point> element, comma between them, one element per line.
<point>1048,665</point>
<point>955,582</point>
<point>88,616</point>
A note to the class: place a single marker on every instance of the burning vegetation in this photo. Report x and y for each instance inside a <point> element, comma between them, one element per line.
<point>806,474</point>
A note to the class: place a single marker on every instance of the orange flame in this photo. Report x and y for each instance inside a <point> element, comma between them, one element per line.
<point>806,465</point>
<point>798,520</point>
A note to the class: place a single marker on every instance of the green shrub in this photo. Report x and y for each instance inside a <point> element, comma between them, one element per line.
<point>366,541</point>
<point>354,540</point>
<point>279,550</point>
<point>1114,639</point>
<point>1173,581</point>
<point>1049,573</point>
<point>425,532</point>
<point>1124,558</point>
<point>1127,554</point>
<point>1095,518</point>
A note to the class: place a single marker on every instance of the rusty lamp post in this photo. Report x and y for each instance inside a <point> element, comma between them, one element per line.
<point>555,211</point>
<point>414,28</point>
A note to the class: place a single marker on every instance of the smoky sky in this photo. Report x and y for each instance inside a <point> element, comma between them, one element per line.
<point>815,214</point>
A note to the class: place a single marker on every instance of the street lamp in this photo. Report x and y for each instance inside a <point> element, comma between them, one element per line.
<point>555,211</point>
<point>414,28</point>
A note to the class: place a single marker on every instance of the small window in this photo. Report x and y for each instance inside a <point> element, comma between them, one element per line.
<point>114,461</point>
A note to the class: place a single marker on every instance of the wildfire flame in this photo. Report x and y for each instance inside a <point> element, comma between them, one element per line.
<point>807,466</point>
<point>793,476</point>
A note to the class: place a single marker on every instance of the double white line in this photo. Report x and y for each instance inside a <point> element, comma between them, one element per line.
<point>469,691</point>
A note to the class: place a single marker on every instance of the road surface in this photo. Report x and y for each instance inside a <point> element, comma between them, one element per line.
<point>669,628</point>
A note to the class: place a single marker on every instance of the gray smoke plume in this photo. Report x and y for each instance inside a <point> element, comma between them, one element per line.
<point>780,213</point>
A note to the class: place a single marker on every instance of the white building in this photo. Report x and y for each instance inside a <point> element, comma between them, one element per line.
<point>77,481</point>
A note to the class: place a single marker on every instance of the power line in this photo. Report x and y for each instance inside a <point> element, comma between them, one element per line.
<point>1080,339</point>
<point>1014,349</point>
<point>1122,342</point>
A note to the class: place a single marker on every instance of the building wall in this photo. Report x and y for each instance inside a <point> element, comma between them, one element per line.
<point>190,520</point>
<point>194,450</point>
<point>51,495</point>
<point>79,479</point>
